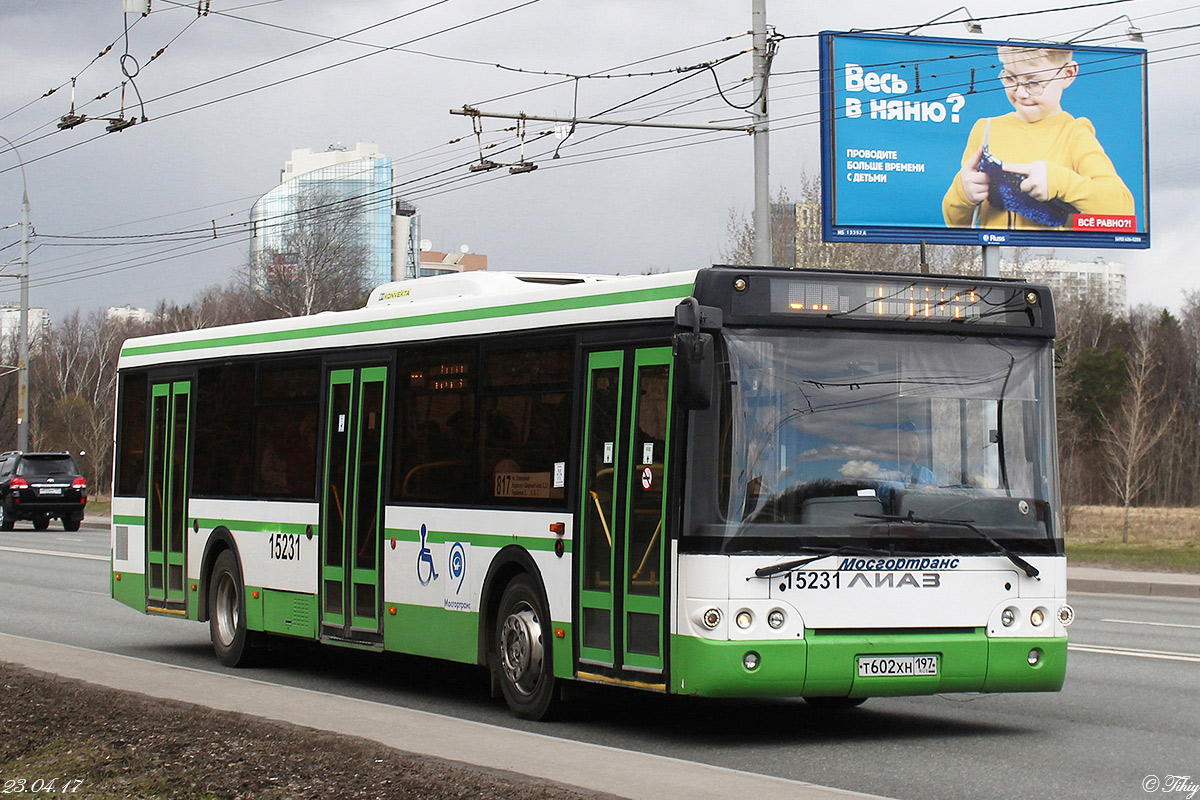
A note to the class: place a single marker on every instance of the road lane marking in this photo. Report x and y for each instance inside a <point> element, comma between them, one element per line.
<point>1156,624</point>
<point>53,553</point>
<point>1130,652</point>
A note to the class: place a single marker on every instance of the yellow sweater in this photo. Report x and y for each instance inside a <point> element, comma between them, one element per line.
<point>1077,169</point>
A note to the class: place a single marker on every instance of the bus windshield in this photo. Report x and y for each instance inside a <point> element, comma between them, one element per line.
<point>915,437</point>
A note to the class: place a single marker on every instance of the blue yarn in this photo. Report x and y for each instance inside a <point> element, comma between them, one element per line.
<point>1004,193</point>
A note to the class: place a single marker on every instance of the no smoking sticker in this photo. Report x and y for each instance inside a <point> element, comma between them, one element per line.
<point>647,478</point>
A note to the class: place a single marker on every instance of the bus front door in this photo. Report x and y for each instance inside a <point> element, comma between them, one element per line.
<point>621,554</point>
<point>352,505</point>
<point>166,497</point>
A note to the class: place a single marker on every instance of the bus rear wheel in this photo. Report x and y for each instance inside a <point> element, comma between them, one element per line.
<point>227,613</point>
<point>523,658</point>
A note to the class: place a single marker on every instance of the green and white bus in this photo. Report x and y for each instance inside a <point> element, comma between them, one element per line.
<point>726,482</point>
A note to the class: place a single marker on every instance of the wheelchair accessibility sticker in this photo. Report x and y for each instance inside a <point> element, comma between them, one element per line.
<point>426,573</point>
<point>458,588</point>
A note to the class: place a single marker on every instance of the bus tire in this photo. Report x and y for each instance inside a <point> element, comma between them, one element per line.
<point>834,704</point>
<point>227,613</point>
<point>523,661</point>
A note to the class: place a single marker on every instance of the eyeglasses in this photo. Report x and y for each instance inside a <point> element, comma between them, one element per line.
<point>1033,87</point>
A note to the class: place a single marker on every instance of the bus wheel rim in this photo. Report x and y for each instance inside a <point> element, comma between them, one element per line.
<point>227,610</point>
<point>521,650</point>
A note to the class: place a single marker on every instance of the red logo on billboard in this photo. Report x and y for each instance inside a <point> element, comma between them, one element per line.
<point>1107,223</point>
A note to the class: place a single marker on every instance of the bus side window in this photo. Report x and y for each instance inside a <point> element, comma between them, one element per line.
<point>526,426</point>
<point>435,427</point>
<point>131,452</point>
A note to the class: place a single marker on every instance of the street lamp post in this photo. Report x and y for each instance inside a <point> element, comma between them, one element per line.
<point>23,330</point>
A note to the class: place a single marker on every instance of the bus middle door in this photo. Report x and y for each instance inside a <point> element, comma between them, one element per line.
<point>352,505</point>
<point>621,555</point>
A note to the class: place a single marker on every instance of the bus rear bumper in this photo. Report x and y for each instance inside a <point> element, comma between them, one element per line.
<point>826,665</point>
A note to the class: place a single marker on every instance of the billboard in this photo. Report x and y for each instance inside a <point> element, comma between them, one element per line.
<point>954,141</point>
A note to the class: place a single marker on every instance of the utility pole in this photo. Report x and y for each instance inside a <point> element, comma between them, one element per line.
<point>23,331</point>
<point>762,172</point>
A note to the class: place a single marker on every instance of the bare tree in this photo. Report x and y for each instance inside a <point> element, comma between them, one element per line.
<point>800,236</point>
<point>73,373</point>
<point>1131,434</point>
<point>319,261</point>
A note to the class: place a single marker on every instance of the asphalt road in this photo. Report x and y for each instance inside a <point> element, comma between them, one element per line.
<point>1129,709</point>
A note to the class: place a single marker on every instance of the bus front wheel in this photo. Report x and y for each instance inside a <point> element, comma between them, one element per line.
<point>227,613</point>
<point>522,658</point>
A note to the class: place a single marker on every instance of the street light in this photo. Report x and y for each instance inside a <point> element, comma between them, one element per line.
<point>1133,31</point>
<point>23,330</point>
<point>970,22</point>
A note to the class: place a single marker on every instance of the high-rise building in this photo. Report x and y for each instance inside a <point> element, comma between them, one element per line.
<point>1100,282</point>
<point>10,327</point>
<point>352,186</point>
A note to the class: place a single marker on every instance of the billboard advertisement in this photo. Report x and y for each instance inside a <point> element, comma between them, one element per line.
<point>954,141</point>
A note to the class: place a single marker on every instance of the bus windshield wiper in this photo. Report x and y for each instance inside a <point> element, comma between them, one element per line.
<point>826,552</point>
<point>912,519</point>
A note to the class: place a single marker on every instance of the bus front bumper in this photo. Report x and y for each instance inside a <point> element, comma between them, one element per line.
<point>826,665</point>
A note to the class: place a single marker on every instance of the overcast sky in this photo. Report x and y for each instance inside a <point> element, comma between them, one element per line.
<point>617,200</point>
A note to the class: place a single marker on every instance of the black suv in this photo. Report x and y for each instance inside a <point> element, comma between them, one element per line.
<point>40,487</point>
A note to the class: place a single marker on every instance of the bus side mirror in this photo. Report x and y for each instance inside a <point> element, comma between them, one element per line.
<point>694,363</point>
<point>693,350</point>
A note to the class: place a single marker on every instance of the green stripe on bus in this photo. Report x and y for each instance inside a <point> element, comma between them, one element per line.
<point>396,323</point>
<point>123,519</point>
<point>476,539</point>
<point>254,526</point>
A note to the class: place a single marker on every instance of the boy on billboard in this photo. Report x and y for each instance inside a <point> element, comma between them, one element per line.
<point>1036,166</point>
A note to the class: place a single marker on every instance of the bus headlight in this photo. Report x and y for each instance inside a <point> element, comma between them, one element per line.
<point>1034,657</point>
<point>750,661</point>
<point>1066,615</point>
<point>744,619</point>
<point>712,618</point>
<point>1008,617</point>
<point>775,619</point>
<point>1038,617</point>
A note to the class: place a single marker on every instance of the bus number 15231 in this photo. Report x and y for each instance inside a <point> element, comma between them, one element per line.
<point>285,546</point>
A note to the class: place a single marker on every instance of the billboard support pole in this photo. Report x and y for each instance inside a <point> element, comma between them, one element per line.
<point>762,186</point>
<point>991,261</point>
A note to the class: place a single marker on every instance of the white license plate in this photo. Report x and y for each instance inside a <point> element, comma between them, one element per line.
<point>50,490</point>
<point>884,666</point>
